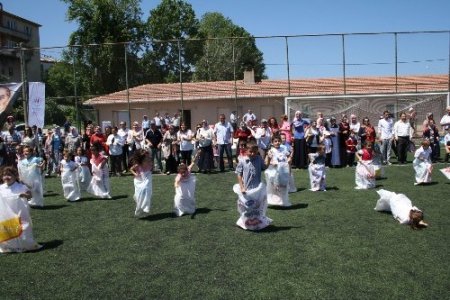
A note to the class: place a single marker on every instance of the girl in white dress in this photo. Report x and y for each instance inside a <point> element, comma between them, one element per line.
<point>365,172</point>
<point>16,234</point>
<point>84,174</point>
<point>30,170</point>
<point>317,170</point>
<point>69,177</point>
<point>142,168</point>
<point>99,185</point>
<point>277,174</point>
<point>184,201</point>
<point>401,207</point>
<point>422,163</point>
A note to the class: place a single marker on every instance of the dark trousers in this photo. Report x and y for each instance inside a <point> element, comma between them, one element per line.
<point>402,148</point>
<point>350,159</point>
<point>227,149</point>
<point>116,163</point>
<point>186,157</point>
<point>125,157</point>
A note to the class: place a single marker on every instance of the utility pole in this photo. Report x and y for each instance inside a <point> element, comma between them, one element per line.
<point>24,84</point>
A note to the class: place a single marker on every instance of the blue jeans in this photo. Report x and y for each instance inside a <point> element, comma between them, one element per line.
<point>156,153</point>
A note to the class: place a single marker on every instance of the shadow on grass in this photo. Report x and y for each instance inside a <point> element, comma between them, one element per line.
<point>117,197</point>
<point>273,228</point>
<point>48,246</point>
<point>292,207</point>
<point>378,186</point>
<point>49,207</point>
<point>381,178</point>
<point>157,217</point>
<point>50,194</point>
<point>332,188</point>
<point>204,210</point>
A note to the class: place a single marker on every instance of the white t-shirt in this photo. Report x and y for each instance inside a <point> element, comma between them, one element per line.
<point>385,128</point>
<point>185,145</point>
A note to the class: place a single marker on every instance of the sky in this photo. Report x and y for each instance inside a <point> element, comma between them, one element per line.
<point>309,57</point>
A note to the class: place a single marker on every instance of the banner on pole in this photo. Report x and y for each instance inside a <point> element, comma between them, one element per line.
<point>9,92</point>
<point>36,104</point>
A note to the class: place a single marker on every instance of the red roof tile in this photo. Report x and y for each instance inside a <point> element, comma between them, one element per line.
<point>275,88</point>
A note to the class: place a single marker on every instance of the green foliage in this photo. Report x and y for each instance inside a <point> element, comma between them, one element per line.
<point>103,22</point>
<point>329,245</point>
<point>173,20</point>
<point>216,62</point>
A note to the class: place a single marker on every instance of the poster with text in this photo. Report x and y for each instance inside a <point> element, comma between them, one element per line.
<point>36,104</point>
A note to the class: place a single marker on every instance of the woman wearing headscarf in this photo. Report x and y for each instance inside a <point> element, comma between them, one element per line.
<point>300,153</point>
<point>344,133</point>
<point>205,136</point>
<point>334,135</point>
<point>73,140</point>
<point>169,150</point>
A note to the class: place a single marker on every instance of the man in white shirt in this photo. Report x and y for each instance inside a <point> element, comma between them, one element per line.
<point>385,132</point>
<point>445,121</point>
<point>249,117</point>
<point>123,133</point>
<point>145,124</point>
<point>402,135</point>
<point>158,121</point>
<point>263,136</point>
<point>223,132</point>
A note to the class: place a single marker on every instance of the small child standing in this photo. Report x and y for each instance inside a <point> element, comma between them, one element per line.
<point>350,145</point>
<point>84,174</point>
<point>317,170</point>
<point>328,144</point>
<point>69,177</point>
<point>292,188</point>
<point>447,145</point>
<point>422,163</point>
<point>15,218</point>
<point>252,197</point>
<point>99,185</point>
<point>277,174</point>
<point>142,167</point>
<point>29,168</point>
<point>365,172</point>
<point>184,201</point>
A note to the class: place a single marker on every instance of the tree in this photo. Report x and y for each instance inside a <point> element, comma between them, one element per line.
<point>170,21</point>
<point>221,37</point>
<point>111,23</point>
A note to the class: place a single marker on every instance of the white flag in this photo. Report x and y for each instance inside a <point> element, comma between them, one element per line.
<point>36,104</point>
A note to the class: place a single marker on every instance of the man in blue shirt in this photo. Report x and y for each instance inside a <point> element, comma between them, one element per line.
<point>223,132</point>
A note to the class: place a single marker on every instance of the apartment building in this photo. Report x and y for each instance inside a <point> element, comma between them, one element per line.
<point>14,31</point>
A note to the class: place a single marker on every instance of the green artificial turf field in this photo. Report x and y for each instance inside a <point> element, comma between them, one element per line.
<point>328,245</point>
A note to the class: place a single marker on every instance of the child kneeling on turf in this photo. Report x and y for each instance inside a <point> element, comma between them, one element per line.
<point>365,172</point>
<point>422,163</point>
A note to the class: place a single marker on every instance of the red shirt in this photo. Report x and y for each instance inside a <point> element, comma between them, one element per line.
<point>366,155</point>
<point>350,144</point>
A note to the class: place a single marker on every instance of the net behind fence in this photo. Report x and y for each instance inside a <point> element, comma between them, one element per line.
<point>371,106</point>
